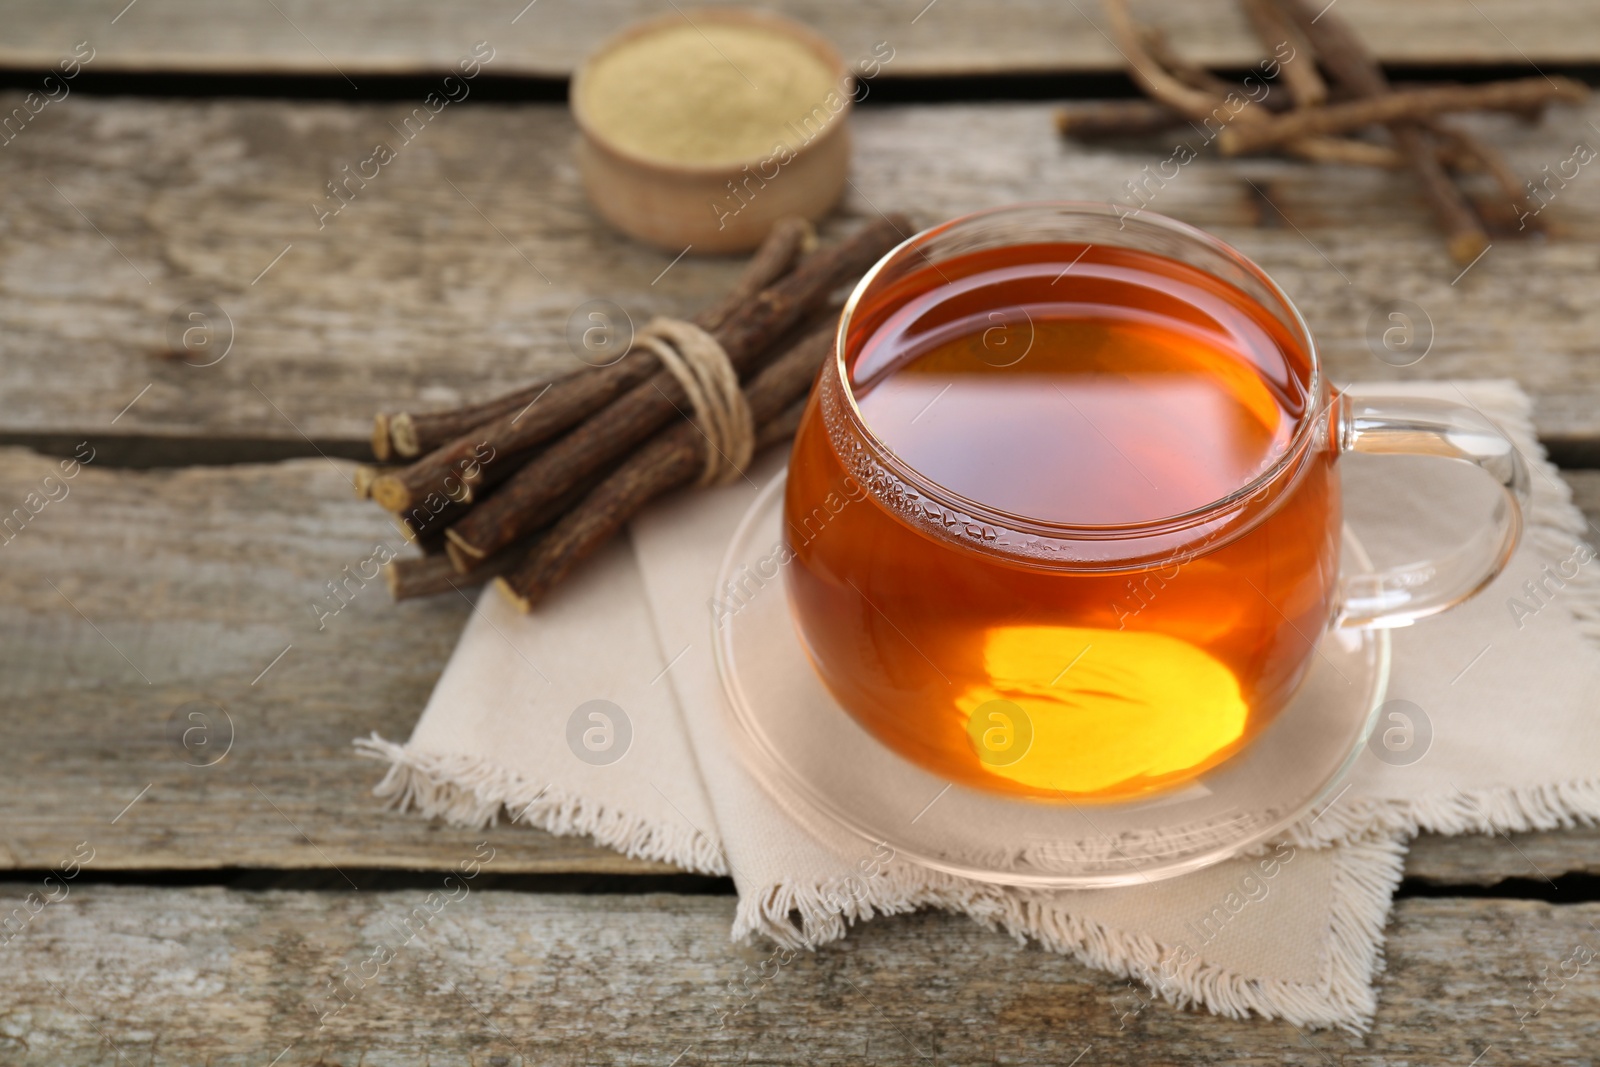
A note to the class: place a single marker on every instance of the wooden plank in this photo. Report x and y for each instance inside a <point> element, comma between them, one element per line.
<point>180,976</point>
<point>548,40</point>
<point>1482,860</point>
<point>137,594</point>
<point>454,272</point>
<point>179,586</point>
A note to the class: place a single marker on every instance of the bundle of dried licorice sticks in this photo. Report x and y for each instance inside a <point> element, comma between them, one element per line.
<point>523,487</point>
<point>1318,122</point>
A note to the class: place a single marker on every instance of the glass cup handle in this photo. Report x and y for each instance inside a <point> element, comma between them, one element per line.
<point>1421,427</point>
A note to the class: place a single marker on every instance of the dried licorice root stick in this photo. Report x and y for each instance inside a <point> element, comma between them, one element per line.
<point>1396,105</point>
<point>1342,52</point>
<point>424,526</point>
<point>431,575</point>
<point>410,578</point>
<point>791,240</point>
<point>1299,71</point>
<point>1104,119</point>
<point>1345,150</point>
<point>1307,89</point>
<point>672,459</point>
<point>1148,72</point>
<point>1202,97</point>
<point>1463,150</point>
<point>412,434</point>
<point>422,577</point>
<point>455,468</point>
<point>784,427</point>
<point>445,471</point>
<point>1191,74</point>
<point>361,479</point>
<point>1116,118</point>
<point>527,500</point>
<point>465,563</point>
<point>382,445</point>
<point>406,435</point>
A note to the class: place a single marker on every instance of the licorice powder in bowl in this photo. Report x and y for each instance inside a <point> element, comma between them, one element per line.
<point>704,130</point>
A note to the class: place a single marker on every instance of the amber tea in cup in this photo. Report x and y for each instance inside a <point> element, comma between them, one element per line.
<point>1088,523</point>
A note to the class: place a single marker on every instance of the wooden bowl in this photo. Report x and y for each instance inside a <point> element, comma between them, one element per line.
<point>674,205</point>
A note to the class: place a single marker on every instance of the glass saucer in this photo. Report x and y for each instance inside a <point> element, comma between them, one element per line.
<point>830,774</point>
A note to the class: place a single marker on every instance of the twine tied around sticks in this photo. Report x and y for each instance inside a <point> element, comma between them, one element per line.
<point>700,364</point>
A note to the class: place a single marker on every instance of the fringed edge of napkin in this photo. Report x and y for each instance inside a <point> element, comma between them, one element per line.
<point>1551,806</point>
<point>474,792</point>
<point>1366,874</point>
<point>1554,529</point>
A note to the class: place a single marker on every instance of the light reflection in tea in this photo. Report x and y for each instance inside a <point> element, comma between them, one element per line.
<point>1135,705</point>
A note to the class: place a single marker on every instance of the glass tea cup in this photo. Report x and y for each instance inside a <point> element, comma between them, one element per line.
<point>1012,600</point>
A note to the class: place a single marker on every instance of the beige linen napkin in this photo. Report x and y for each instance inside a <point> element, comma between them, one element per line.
<point>1503,737</point>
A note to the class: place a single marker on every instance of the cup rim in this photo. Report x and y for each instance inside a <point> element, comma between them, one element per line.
<point>1304,431</point>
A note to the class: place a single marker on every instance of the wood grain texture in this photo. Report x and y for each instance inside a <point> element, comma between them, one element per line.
<point>549,38</point>
<point>453,273</point>
<point>1536,858</point>
<point>201,578</point>
<point>140,598</point>
<point>187,976</point>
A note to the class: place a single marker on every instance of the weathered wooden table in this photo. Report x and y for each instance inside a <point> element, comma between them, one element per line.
<point>212,904</point>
